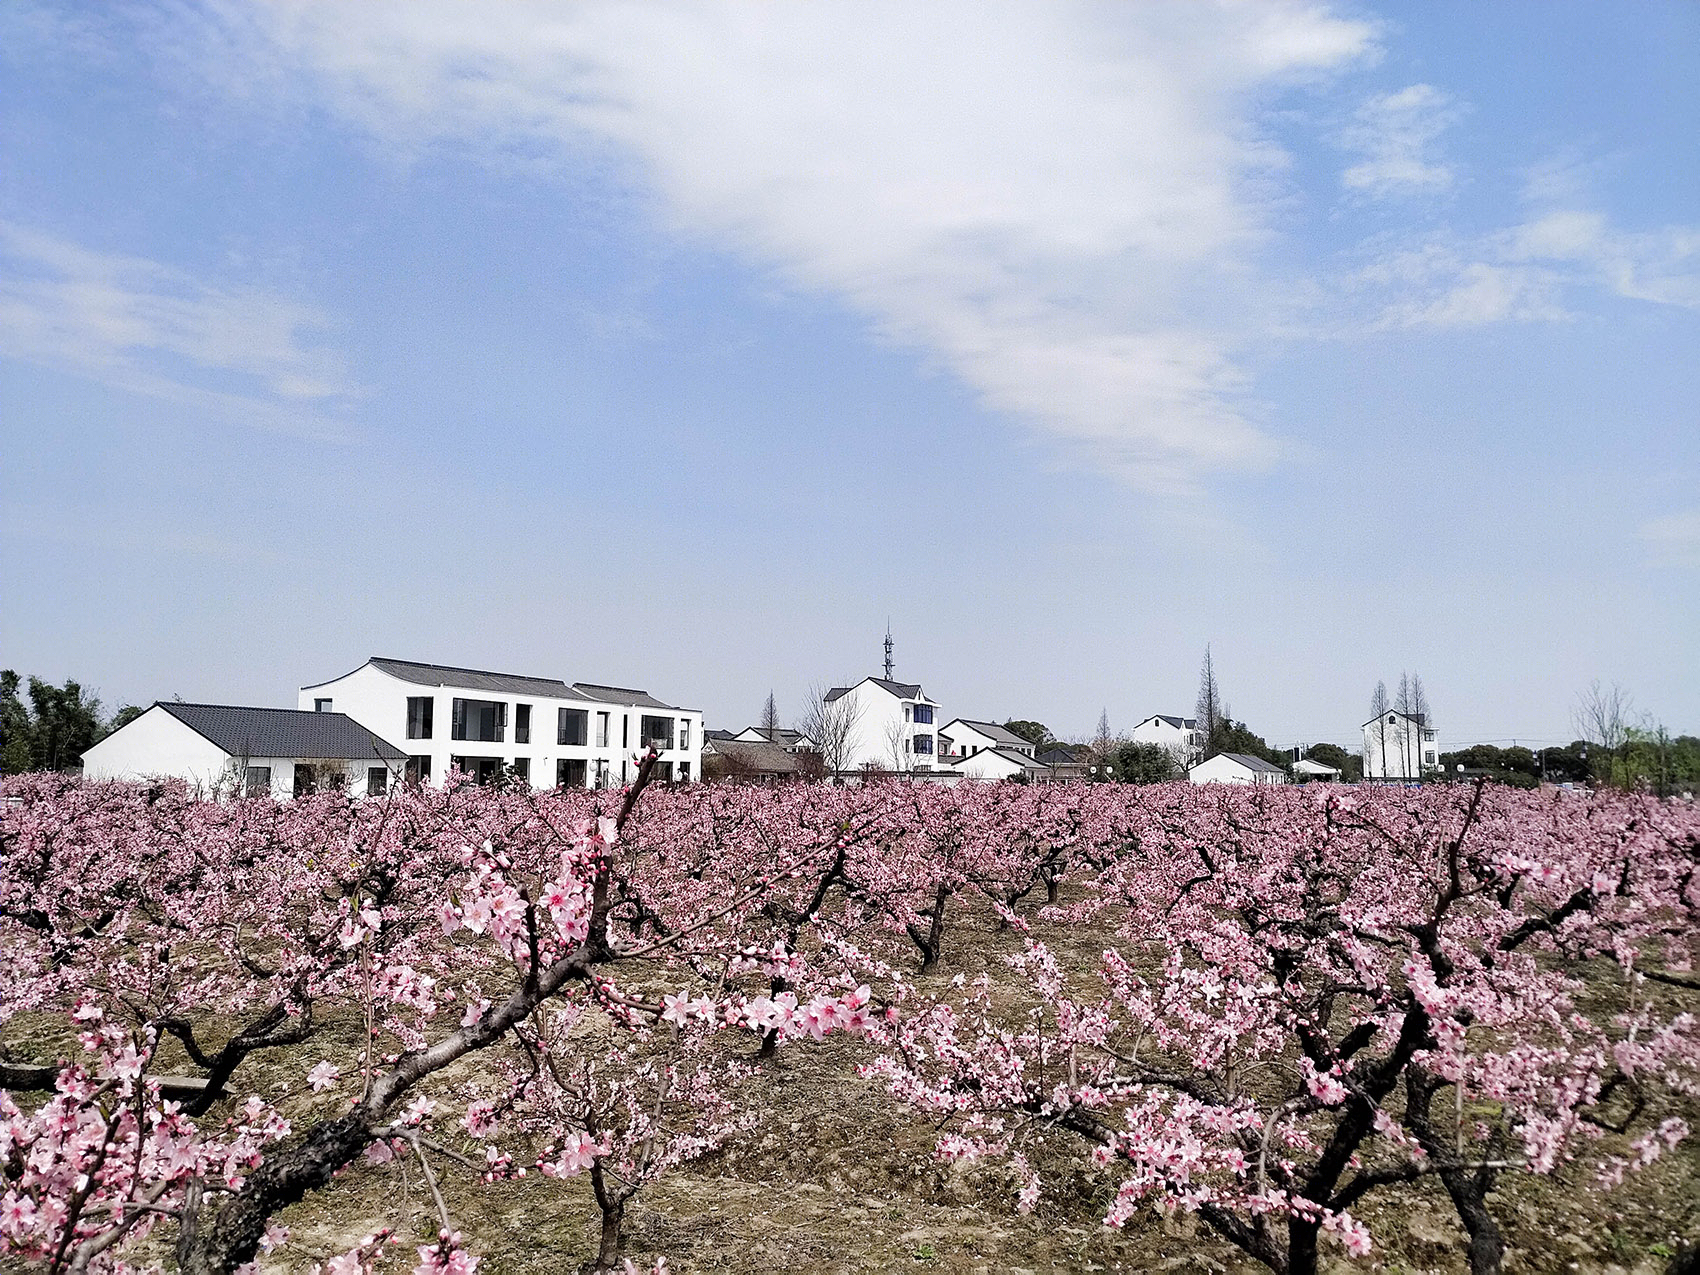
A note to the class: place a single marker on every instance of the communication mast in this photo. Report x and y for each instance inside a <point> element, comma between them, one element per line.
<point>888,663</point>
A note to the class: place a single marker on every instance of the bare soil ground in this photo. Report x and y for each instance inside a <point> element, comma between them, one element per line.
<point>838,1177</point>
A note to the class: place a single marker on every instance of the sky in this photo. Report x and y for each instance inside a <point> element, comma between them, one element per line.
<point>689,346</point>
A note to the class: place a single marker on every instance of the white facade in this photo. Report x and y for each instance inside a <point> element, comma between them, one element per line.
<point>157,745</point>
<point>964,738</point>
<point>1316,770</point>
<point>1236,768</point>
<point>790,740</point>
<point>894,726</point>
<point>1000,763</point>
<point>580,735</point>
<point>1399,747</point>
<point>1180,735</point>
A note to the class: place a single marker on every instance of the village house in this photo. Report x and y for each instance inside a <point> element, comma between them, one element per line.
<point>1399,747</point>
<point>1236,768</point>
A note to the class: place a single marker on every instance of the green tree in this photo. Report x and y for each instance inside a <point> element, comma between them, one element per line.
<point>17,730</point>
<point>123,717</point>
<point>1350,765</point>
<point>1143,764</point>
<point>66,722</point>
<point>1035,733</point>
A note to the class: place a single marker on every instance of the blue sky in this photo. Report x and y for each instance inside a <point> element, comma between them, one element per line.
<point>683,346</point>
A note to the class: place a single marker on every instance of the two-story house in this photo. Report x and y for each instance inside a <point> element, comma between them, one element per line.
<point>1180,735</point>
<point>1399,747</point>
<point>542,729</point>
<point>889,725</point>
<point>963,737</point>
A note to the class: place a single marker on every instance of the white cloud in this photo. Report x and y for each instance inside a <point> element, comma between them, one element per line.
<point>1673,540</point>
<point>133,323</point>
<point>1056,201</point>
<point>1396,135</point>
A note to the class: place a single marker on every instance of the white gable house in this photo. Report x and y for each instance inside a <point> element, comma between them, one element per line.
<point>1236,768</point>
<point>1000,763</point>
<point>1399,747</point>
<point>1180,735</point>
<point>963,738</point>
<point>891,725</point>
<point>547,731</point>
<point>224,749</point>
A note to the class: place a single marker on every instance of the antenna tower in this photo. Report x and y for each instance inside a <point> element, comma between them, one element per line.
<point>888,664</point>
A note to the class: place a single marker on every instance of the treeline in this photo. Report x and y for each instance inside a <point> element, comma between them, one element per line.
<point>49,727</point>
<point>1647,759</point>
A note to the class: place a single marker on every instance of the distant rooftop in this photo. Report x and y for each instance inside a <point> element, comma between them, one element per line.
<point>903,690</point>
<point>473,679</point>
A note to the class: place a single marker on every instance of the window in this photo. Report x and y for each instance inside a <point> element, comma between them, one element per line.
<point>484,720</point>
<point>482,769</point>
<point>1428,756</point>
<point>419,769</point>
<point>303,779</point>
<point>923,715</point>
<point>570,726</point>
<point>522,723</point>
<point>924,745</point>
<point>664,771</point>
<point>602,779</point>
<point>625,733</point>
<point>569,772</point>
<point>908,711</point>
<point>321,706</point>
<point>419,711</point>
<point>684,735</point>
<point>377,781</point>
<point>257,781</point>
<point>657,733</point>
<point>522,765</point>
<point>602,730</point>
<point>684,772</point>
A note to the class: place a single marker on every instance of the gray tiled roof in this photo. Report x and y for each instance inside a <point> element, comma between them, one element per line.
<point>993,731</point>
<point>1179,723</point>
<point>757,757</point>
<point>1008,754</point>
<point>619,695</point>
<point>473,679</point>
<point>903,690</point>
<point>1063,755</point>
<point>283,732</point>
<point>1253,763</point>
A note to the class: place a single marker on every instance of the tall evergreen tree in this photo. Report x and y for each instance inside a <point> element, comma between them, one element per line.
<point>1208,709</point>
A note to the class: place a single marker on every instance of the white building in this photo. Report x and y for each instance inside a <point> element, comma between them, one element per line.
<point>1399,747</point>
<point>792,741</point>
<point>550,732</point>
<point>1180,735</point>
<point>891,725</point>
<point>1000,763</point>
<point>964,738</point>
<point>222,749</point>
<point>1305,768</point>
<point>1236,768</point>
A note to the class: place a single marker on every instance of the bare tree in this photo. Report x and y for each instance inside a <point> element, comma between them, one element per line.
<point>1602,717</point>
<point>1421,711</point>
<point>897,745</point>
<point>1208,709</point>
<point>770,718</point>
<point>1402,706</point>
<point>831,724</point>
<point>1378,709</point>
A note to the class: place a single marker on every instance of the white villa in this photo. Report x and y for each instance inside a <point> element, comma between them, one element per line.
<point>550,732</point>
<point>1305,768</point>
<point>891,725</point>
<point>1399,747</point>
<point>1236,768</point>
<point>223,749</point>
<point>792,741</point>
<point>964,738</point>
<point>1000,763</point>
<point>1180,735</point>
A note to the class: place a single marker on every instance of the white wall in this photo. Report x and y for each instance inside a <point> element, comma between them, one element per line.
<point>1222,769</point>
<point>158,746</point>
<point>966,738</point>
<point>987,765</point>
<point>1186,746</point>
<point>1396,748</point>
<point>881,717</point>
<point>378,701</point>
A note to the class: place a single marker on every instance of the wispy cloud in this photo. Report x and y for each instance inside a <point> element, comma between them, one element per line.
<point>1396,134</point>
<point>1058,203</point>
<point>244,354</point>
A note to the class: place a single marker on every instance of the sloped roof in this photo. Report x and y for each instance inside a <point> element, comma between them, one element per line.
<point>1419,719</point>
<point>473,679</point>
<point>1310,766</point>
<point>623,695</point>
<point>717,734</point>
<point>1008,754</point>
<point>1062,755</point>
<point>283,732</point>
<point>1249,762</point>
<point>759,757</point>
<point>991,730</point>
<point>903,690</point>
<point>1179,723</point>
<point>781,735</point>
